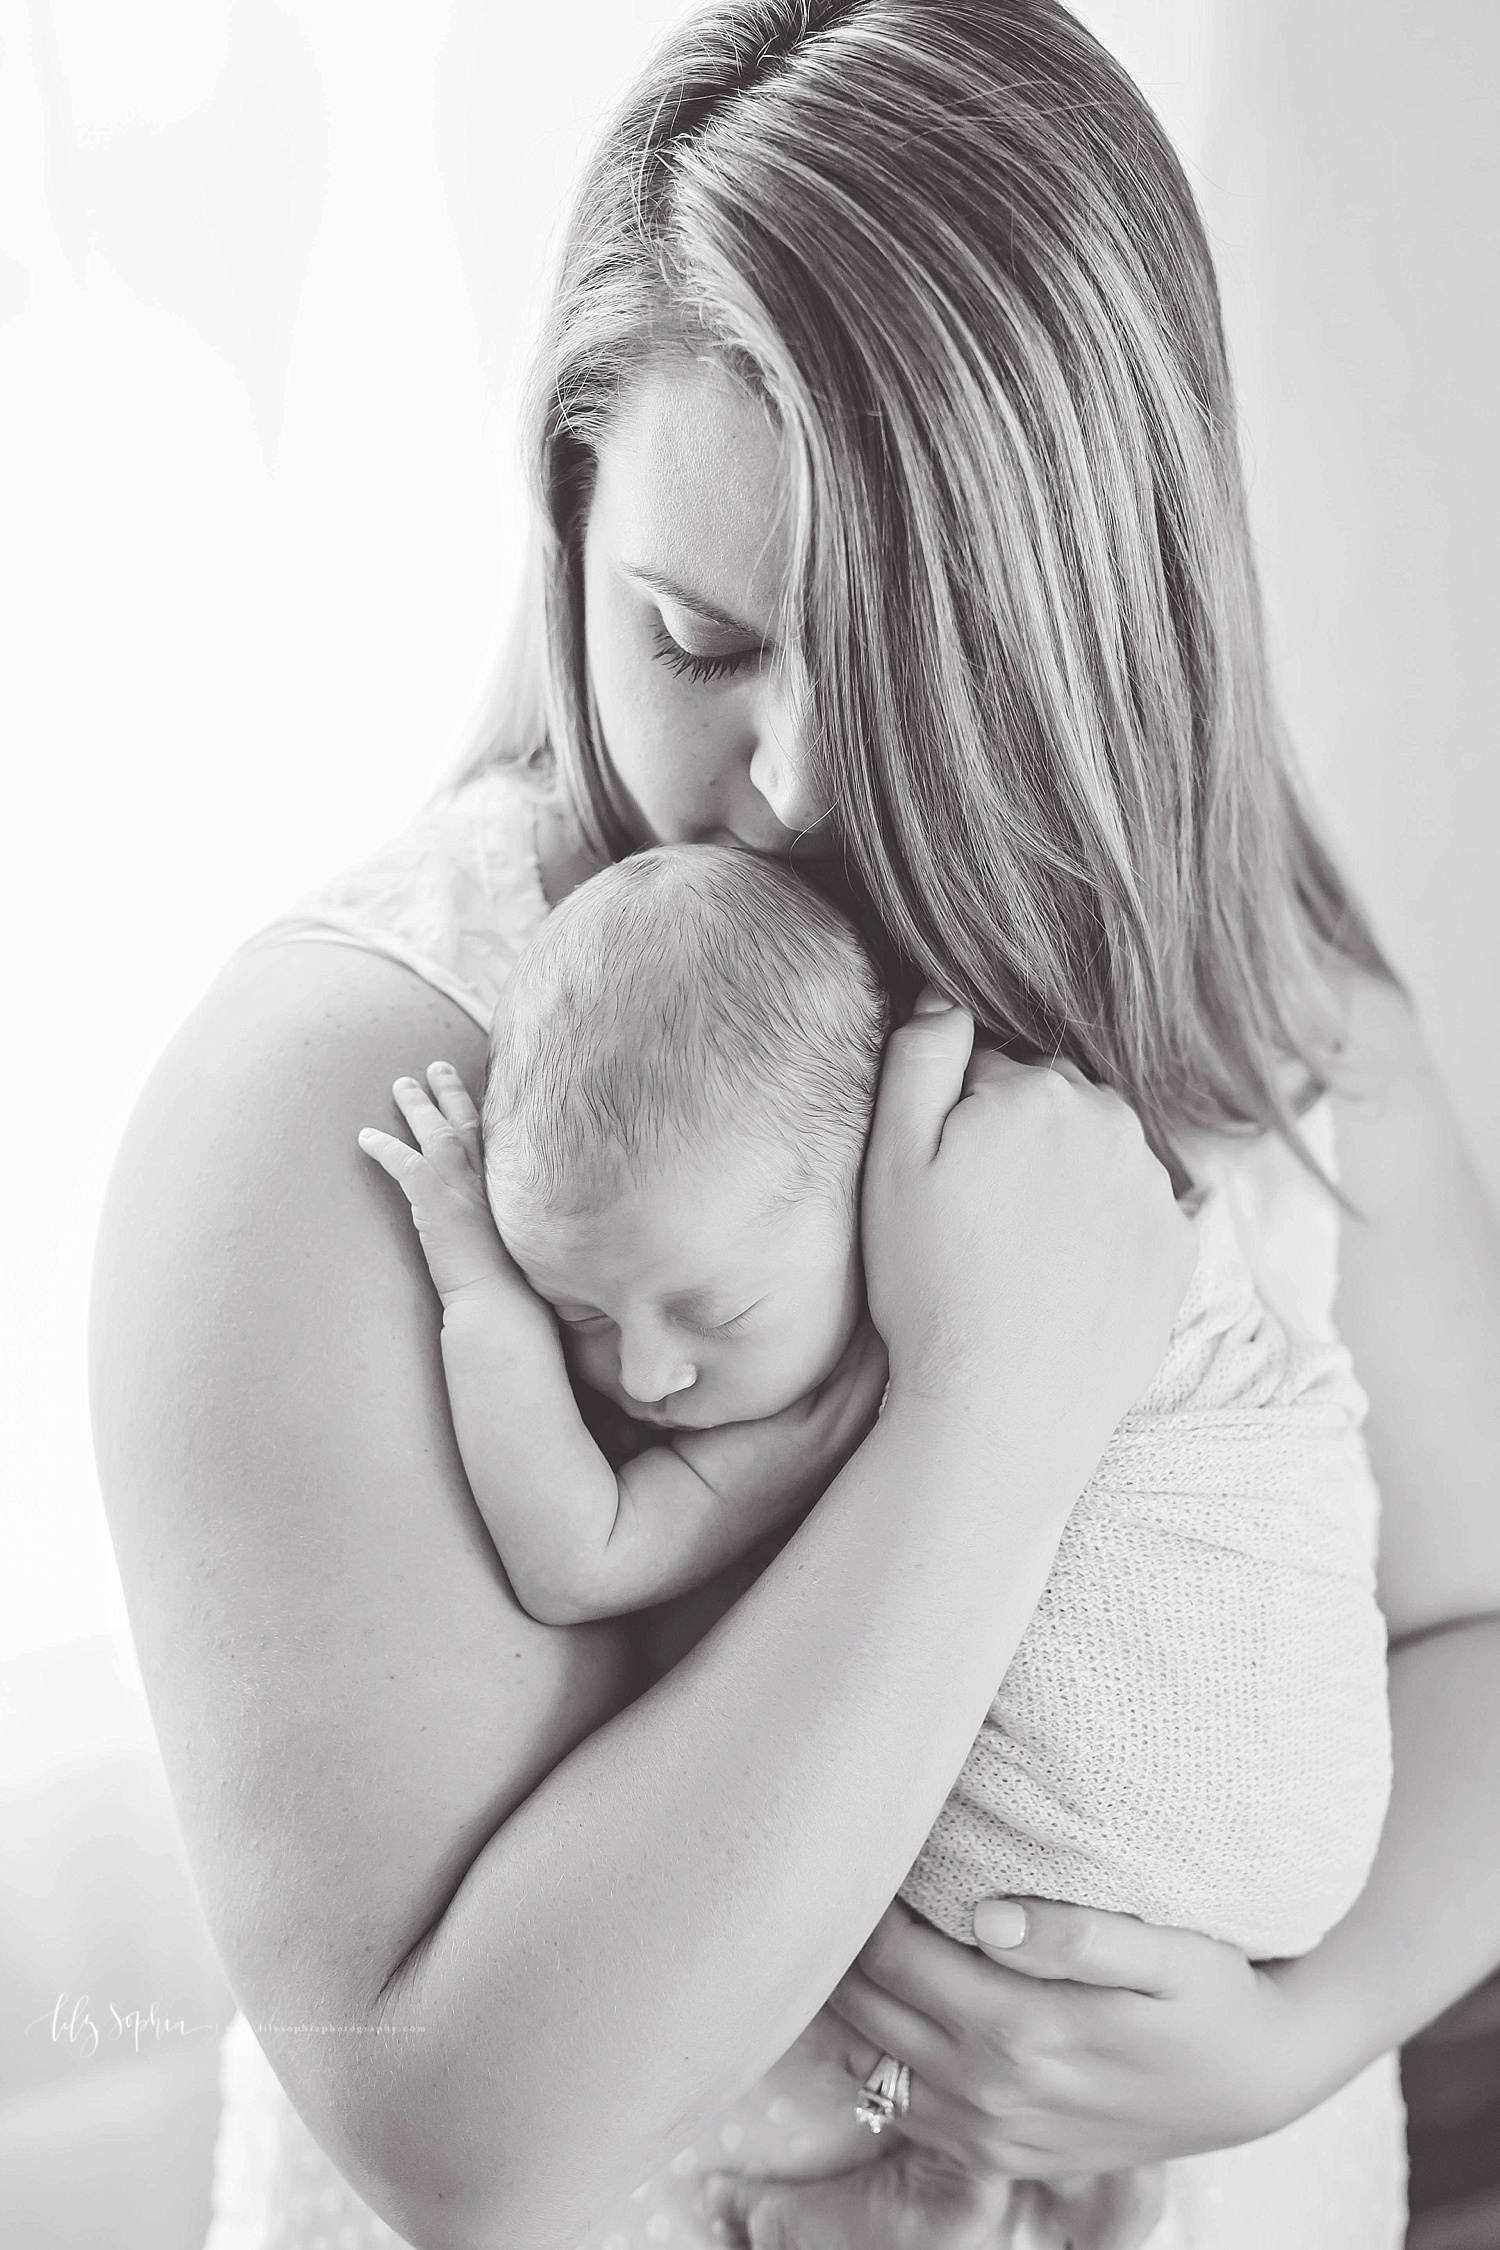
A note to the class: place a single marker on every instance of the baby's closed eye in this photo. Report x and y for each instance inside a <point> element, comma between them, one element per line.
<point>728,1327</point>
<point>588,1323</point>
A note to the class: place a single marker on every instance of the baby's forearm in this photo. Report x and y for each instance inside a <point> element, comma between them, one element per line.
<point>547,1494</point>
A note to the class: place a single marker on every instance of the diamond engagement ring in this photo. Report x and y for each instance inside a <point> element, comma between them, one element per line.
<point>885,2094</point>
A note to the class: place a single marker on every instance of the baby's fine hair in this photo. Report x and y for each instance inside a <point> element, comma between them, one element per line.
<point>686,995</point>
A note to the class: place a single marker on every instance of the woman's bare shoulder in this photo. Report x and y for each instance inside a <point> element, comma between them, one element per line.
<point>349,1700</point>
<point>1419,1306</point>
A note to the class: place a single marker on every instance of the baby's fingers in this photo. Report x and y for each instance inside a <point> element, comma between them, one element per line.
<point>407,1166</point>
<point>440,1140</point>
<point>452,1098</point>
<point>898,2202</point>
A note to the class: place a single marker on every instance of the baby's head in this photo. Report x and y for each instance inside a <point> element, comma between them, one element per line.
<point>681,1075</point>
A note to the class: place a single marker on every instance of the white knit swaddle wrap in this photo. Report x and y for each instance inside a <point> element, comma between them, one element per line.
<point>1194,1728</point>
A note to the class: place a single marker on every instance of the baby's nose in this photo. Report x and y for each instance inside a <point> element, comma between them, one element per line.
<point>650,1376</point>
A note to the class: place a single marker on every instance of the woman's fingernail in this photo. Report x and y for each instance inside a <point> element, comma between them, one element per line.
<point>999,1922</point>
<point>931,1003</point>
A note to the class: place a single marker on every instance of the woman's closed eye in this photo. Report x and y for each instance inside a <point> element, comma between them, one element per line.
<point>689,664</point>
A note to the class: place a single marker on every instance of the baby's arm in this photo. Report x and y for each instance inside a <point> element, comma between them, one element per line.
<point>578,1539</point>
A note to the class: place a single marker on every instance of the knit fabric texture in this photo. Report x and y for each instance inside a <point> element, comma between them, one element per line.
<point>1194,1728</point>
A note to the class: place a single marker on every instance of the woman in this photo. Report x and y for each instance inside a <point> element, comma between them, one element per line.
<point>893,520</point>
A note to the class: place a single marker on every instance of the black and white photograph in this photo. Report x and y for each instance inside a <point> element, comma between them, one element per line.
<point>752,1414</point>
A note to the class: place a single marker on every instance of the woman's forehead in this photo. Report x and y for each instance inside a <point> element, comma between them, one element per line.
<point>691,491</point>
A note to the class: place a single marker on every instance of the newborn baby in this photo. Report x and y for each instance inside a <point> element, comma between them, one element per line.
<point>681,1076</point>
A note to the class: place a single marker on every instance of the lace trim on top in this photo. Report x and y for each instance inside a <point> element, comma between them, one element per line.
<point>454,898</point>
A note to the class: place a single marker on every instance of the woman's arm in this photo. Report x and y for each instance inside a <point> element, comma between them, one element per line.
<point>557,1948</point>
<point>1419,1307</point>
<point>1097,2043</point>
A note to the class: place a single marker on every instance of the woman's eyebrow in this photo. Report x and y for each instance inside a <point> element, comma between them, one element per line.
<point>699,604</point>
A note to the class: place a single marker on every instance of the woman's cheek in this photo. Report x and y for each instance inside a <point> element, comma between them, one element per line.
<point>632,697</point>
<point>670,744</point>
<point>639,751</point>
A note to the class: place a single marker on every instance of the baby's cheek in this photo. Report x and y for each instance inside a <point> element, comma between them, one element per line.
<point>801,1358</point>
<point>591,1360</point>
<point>830,1330</point>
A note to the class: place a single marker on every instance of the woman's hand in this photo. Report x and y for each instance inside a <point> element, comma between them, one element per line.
<point>1094,2044</point>
<point>1029,1252</point>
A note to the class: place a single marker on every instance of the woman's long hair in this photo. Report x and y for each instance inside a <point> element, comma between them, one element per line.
<point>948,247</point>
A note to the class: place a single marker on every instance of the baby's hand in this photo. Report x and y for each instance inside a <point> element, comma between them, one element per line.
<point>443,1180</point>
<point>769,1470</point>
<point>903,2201</point>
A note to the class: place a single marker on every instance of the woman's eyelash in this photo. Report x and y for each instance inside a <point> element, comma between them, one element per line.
<point>688,666</point>
<point>728,1327</point>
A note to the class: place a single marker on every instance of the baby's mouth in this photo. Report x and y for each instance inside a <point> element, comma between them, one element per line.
<point>683,1411</point>
<point>661,1416</point>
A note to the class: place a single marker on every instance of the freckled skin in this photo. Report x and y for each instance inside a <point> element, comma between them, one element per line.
<point>691,487</point>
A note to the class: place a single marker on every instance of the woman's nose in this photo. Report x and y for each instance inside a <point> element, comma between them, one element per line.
<point>777,762</point>
<point>651,1369</point>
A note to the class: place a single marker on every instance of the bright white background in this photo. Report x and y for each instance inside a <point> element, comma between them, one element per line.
<point>267,270</point>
